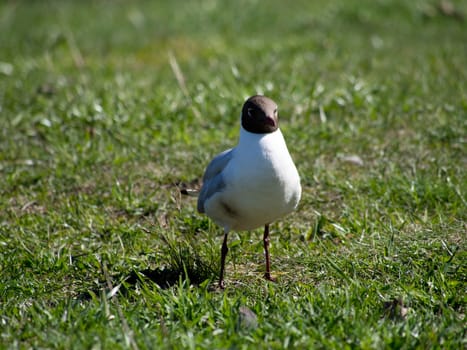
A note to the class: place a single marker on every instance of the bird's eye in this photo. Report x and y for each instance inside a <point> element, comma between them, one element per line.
<point>275,111</point>
<point>250,112</point>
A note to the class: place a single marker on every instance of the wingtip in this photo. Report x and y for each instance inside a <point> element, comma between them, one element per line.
<point>189,192</point>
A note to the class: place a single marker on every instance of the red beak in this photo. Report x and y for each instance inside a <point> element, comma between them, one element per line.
<point>270,121</point>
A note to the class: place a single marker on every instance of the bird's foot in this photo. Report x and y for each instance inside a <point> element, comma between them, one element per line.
<point>217,287</point>
<point>268,277</point>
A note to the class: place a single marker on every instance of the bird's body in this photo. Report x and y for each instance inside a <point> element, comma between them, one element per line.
<point>259,183</point>
<point>256,182</point>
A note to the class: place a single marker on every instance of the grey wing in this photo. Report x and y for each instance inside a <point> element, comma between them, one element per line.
<point>212,179</point>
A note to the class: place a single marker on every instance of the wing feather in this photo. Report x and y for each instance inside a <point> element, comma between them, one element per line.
<point>213,180</point>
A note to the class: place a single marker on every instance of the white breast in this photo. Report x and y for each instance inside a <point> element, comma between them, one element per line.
<point>262,183</point>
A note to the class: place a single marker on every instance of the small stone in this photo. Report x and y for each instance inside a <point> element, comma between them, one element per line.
<point>247,319</point>
<point>354,159</point>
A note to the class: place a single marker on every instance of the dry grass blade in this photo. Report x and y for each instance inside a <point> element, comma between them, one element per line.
<point>181,82</point>
<point>127,332</point>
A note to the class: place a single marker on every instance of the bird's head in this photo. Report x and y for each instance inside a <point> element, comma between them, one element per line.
<point>259,115</point>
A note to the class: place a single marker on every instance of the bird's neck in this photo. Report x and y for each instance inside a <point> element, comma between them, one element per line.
<point>251,140</point>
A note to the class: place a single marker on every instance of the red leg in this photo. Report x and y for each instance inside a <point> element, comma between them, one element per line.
<point>224,251</point>
<point>267,275</point>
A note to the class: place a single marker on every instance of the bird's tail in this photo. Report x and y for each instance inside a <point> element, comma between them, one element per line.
<point>189,192</point>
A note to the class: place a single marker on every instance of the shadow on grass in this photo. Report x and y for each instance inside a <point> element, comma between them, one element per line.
<point>165,278</point>
<point>183,261</point>
<point>170,276</point>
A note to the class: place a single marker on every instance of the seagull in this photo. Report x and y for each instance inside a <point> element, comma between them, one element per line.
<point>253,184</point>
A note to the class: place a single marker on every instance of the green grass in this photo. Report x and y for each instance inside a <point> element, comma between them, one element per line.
<point>98,133</point>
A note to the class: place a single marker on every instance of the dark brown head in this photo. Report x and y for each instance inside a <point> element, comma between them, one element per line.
<point>259,115</point>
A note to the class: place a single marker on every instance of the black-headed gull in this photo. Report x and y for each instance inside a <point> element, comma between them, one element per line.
<point>253,184</point>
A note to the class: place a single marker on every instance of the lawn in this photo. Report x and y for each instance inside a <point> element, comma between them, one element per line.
<point>109,108</point>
